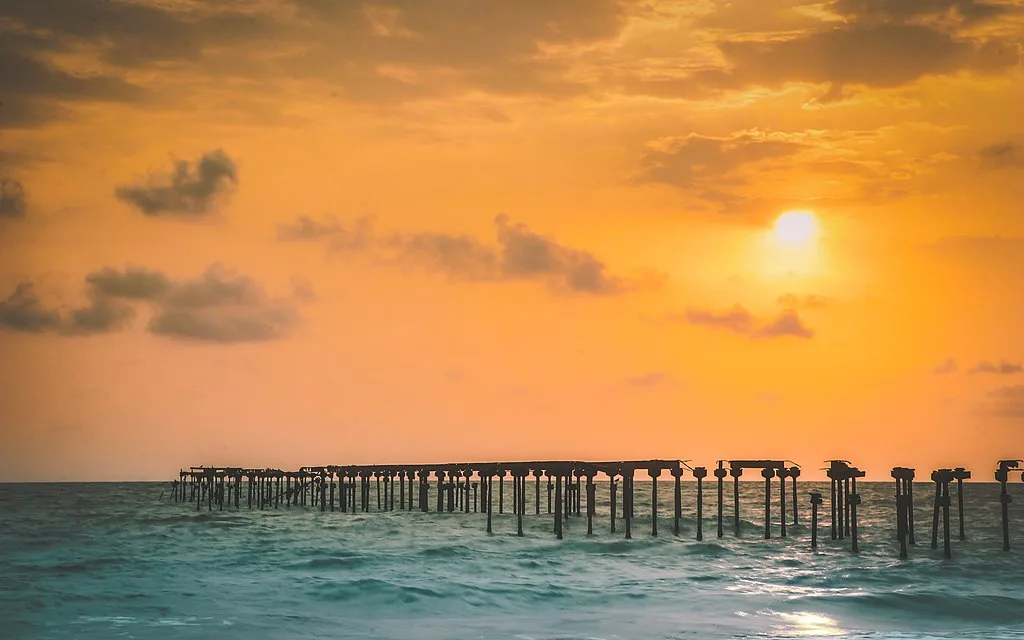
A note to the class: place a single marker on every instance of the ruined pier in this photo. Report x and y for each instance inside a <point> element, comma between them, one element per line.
<point>563,489</point>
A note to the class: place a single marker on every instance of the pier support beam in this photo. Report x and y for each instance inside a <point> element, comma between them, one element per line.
<point>558,505</point>
<point>736,472</point>
<point>767,474</point>
<point>720,475</point>
<point>1002,476</point>
<point>654,472</point>
<point>627,500</point>
<point>700,473</point>
<point>815,501</point>
<point>677,474</point>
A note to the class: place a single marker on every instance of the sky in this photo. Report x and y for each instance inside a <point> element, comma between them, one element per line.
<point>276,233</point>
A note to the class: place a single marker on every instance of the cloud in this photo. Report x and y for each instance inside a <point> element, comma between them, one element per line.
<point>740,320</point>
<point>394,52</point>
<point>188,191</point>
<point>221,306</point>
<point>1005,402</point>
<point>788,323</point>
<point>102,316</point>
<point>859,55</point>
<point>519,254</point>
<point>460,256</point>
<point>12,199</point>
<point>809,301</point>
<point>737,319</point>
<point>947,367</point>
<point>694,159</point>
<point>1004,155</point>
<point>218,306</point>
<point>307,229</point>
<point>855,47</point>
<point>902,11</point>
<point>35,92</point>
<point>1001,368</point>
<point>382,52</point>
<point>133,283</point>
<point>23,311</point>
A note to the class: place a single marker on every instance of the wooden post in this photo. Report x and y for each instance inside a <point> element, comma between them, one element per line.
<point>612,494</point>
<point>720,474</point>
<point>558,505</point>
<point>767,473</point>
<point>677,473</point>
<point>654,473</point>
<point>627,500</point>
<point>815,501</point>
<point>783,473</point>
<point>591,507</point>
<point>794,473</point>
<point>489,476</point>
<point>700,473</point>
<point>736,472</point>
<point>536,477</point>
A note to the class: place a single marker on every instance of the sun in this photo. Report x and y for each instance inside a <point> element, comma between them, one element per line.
<point>796,227</point>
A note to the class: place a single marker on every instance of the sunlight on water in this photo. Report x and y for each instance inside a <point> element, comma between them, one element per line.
<point>807,624</point>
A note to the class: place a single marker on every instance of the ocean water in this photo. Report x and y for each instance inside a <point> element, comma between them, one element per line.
<point>117,561</point>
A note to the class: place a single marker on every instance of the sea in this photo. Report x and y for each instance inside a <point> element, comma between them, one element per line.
<point>105,561</point>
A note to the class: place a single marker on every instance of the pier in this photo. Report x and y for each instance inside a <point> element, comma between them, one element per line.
<point>566,489</point>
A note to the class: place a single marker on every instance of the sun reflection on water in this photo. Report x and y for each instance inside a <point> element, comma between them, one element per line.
<point>805,624</point>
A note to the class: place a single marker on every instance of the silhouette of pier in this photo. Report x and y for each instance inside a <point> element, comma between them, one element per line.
<point>565,489</point>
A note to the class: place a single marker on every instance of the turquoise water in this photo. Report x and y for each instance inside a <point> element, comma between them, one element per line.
<point>116,561</point>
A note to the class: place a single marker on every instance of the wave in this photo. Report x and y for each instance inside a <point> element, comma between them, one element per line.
<point>988,609</point>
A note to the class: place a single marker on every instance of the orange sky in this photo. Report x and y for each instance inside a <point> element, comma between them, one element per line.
<point>287,232</point>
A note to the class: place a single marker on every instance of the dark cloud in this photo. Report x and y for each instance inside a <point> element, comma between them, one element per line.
<point>133,283</point>
<point>1000,368</point>
<point>1005,402</point>
<point>788,323</point>
<point>740,320</point>
<point>219,325</point>
<point>23,311</point>
<point>307,229</point>
<point>34,92</point>
<point>462,257</point>
<point>947,367</point>
<point>222,306</point>
<point>694,160</point>
<point>526,254</point>
<point>1005,155</point>
<point>901,11</point>
<point>520,254</point>
<point>736,319</point>
<point>219,306</point>
<point>12,199</point>
<point>809,301</point>
<point>188,191</point>
<point>496,47</point>
<point>102,316</point>
<point>380,51</point>
<point>860,55</point>
<point>859,52</point>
